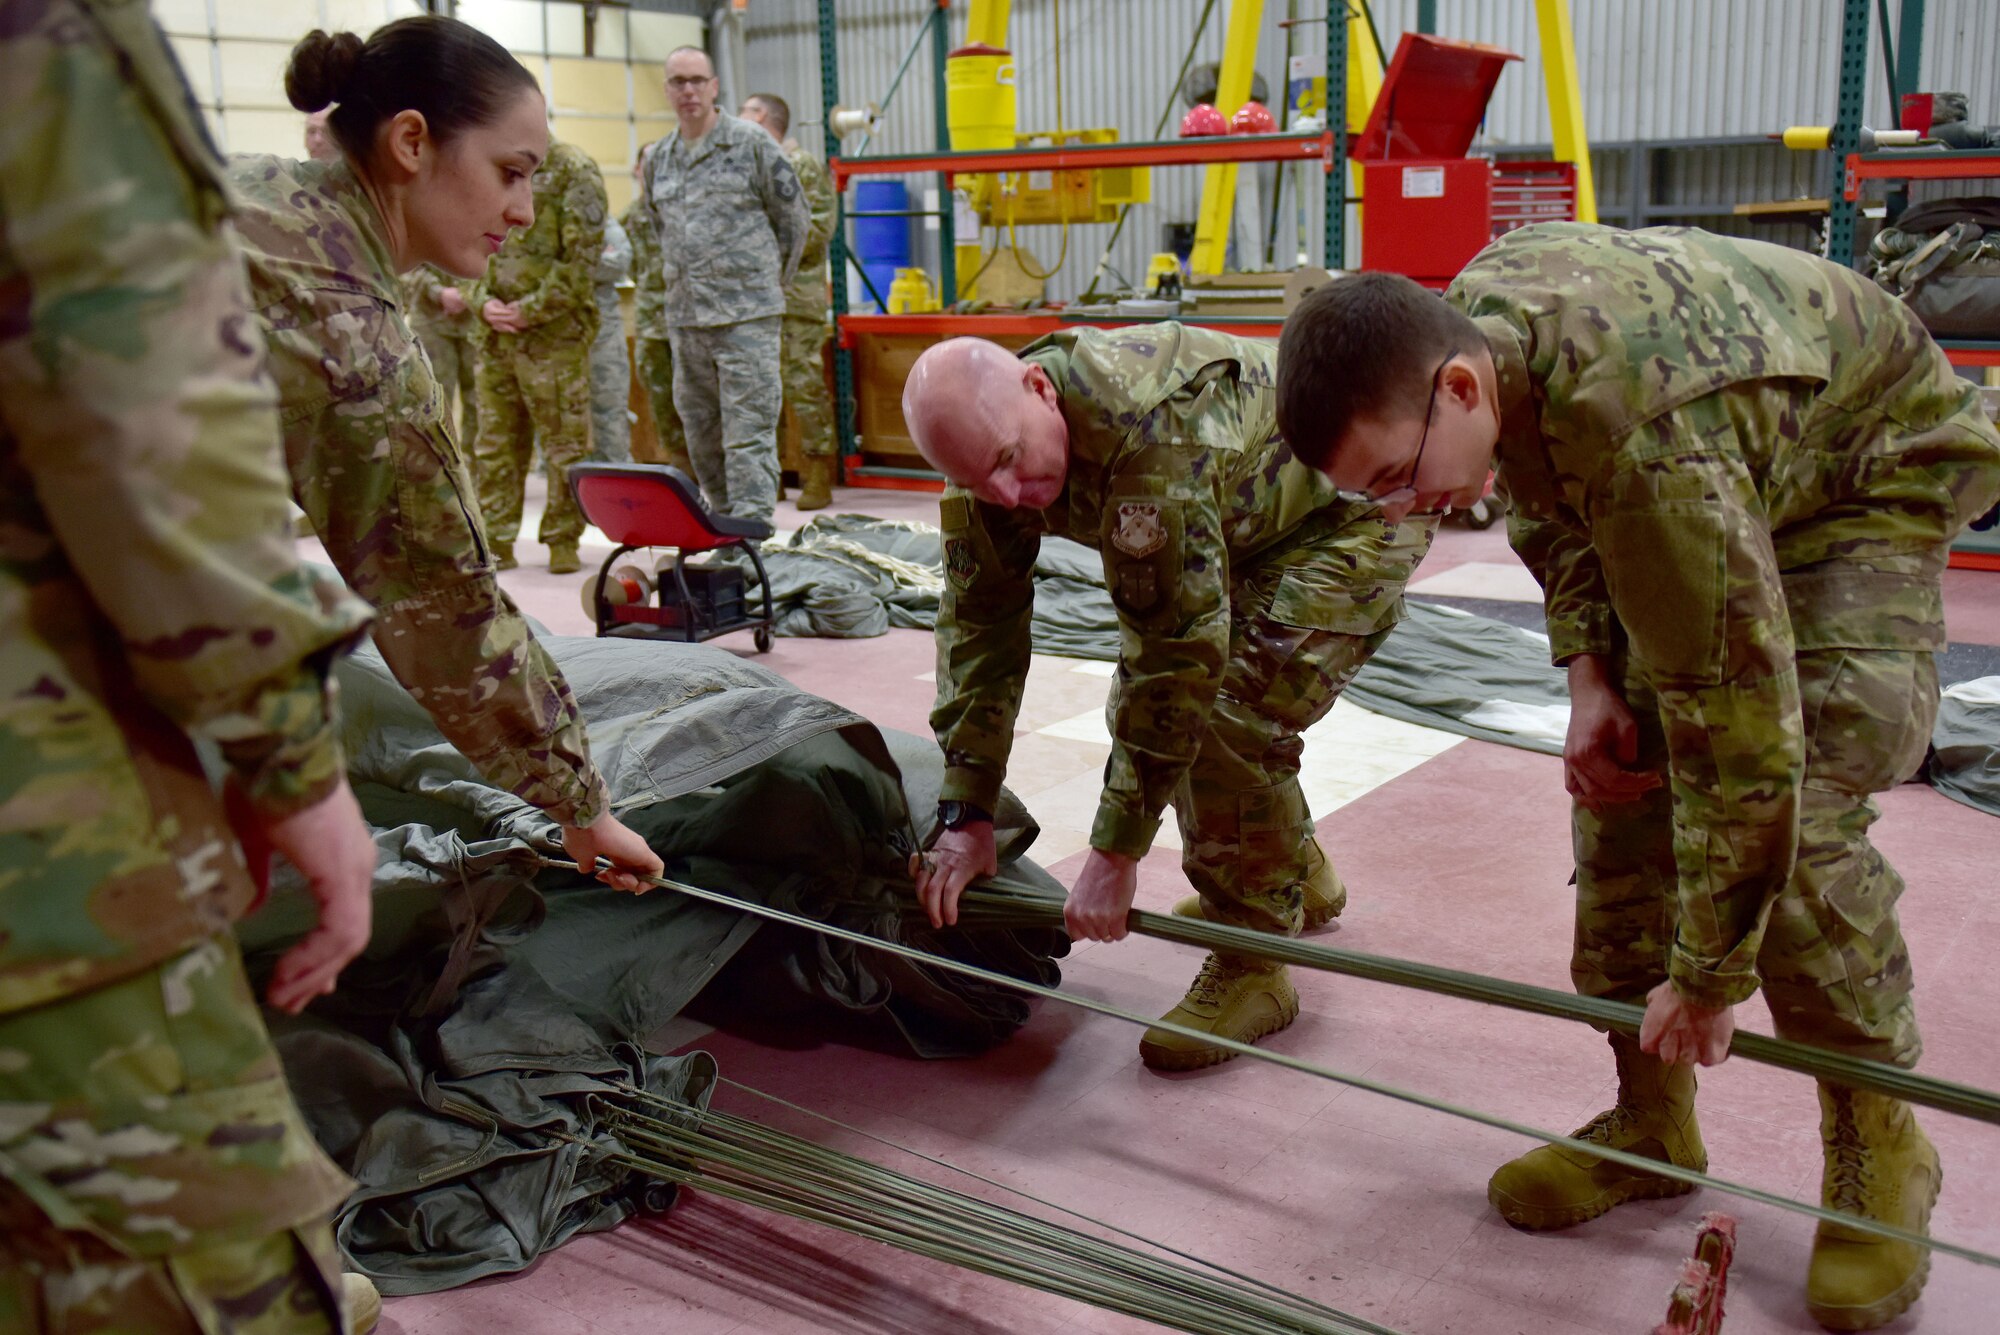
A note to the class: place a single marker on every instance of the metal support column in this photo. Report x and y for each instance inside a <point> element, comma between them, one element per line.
<point>940,20</point>
<point>1427,16</point>
<point>836,246</point>
<point>1334,247</point>
<point>1572,142</point>
<point>1847,129</point>
<point>1909,46</point>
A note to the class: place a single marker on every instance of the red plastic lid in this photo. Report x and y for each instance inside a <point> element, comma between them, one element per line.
<point>979,49</point>
<point>1433,98</point>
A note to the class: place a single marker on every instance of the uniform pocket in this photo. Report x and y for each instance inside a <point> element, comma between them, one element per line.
<point>1666,569</point>
<point>1314,599</point>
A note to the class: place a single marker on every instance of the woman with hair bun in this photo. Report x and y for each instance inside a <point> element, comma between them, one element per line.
<point>440,131</point>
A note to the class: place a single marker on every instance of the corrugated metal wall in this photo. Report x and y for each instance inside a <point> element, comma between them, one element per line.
<point>1653,71</point>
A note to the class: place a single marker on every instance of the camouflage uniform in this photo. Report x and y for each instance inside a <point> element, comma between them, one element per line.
<point>536,385</point>
<point>1248,597</point>
<point>153,1168</point>
<point>1736,469</point>
<point>388,491</point>
<point>651,351</point>
<point>451,342</point>
<point>610,370</point>
<point>731,226</point>
<point>807,325</point>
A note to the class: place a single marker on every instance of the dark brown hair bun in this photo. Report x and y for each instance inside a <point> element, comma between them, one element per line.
<point>322,69</point>
<point>450,73</point>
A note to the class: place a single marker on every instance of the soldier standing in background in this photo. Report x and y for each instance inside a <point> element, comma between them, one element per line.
<point>319,144</point>
<point>610,367</point>
<point>155,1174</point>
<point>807,326</point>
<point>449,330</point>
<point>538,299</point>
<point>652,353</point>
<point>1736,471</point>
<point>732,224</point>
<point>1248,596</point>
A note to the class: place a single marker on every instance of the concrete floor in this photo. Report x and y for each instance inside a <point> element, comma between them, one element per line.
<point>1456,852</point>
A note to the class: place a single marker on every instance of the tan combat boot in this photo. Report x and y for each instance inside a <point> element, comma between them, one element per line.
<point>816,482</point>
<point>1556,1186</point>
<point>503,554</point>
<point>563,559</point>
<point>1232,997</point>
<point>361,1303</point>
<point>1879,1165</point>
<point>1324,894</point>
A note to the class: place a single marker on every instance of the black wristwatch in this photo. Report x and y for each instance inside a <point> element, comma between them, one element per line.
<point>958,815</point>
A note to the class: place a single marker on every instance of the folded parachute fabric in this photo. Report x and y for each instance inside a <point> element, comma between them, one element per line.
<point>500,1001</point>
<point>1965,748</point>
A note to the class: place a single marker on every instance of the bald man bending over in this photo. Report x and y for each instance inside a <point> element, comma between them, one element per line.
<point>1248,595</point>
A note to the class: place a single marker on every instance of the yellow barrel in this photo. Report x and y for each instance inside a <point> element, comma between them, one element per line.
<point>981,106</point>
<point>912,293</point>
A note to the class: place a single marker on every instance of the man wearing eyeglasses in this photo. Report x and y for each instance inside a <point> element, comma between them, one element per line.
<point>1736,470</point>
<point>732,223</point>
<point>1248,596</point>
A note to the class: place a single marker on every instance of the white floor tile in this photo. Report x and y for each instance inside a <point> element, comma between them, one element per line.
<point>1483,579</point>
<point>1085,727</point>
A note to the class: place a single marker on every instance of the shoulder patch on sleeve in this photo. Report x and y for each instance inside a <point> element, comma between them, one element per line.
<point>954,512</point>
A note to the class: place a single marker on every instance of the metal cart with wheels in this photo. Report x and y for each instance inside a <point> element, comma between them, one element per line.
<point>654,505</point>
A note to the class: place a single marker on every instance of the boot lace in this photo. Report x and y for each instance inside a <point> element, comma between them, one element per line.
<point>1212,983</point>
<point>1607,1127</point>
<point>1845,1160</point>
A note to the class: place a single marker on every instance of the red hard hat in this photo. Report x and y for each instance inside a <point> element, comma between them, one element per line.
<point>1203,119</point>
<point>1253,118</point>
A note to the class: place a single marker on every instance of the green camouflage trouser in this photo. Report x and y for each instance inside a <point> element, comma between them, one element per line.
<point>155,1175</point>
<point>726,388</point>
<point>656,372</point>
<point>532,386</point>
<point>804,375</point>
<point>1833,965</point>
<point>454,358</point>
<point>1303,621</point>
<point>610,383</point>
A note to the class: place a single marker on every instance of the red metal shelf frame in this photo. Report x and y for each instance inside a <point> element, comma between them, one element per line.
<point>942,322</point>
<point>1070,157</point>
<point>1965,165</point>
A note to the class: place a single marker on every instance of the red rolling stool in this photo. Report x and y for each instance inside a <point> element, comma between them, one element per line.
<point>654,505</point>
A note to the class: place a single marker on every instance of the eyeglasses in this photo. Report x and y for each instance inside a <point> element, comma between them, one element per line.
<point>682,83</point>
<point>1408,491</point>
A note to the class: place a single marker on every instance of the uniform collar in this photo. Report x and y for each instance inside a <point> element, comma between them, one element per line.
<point>336,183</point>
<point>700,147</point>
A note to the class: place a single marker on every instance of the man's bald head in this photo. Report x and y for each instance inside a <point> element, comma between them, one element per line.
<point>989,421</point>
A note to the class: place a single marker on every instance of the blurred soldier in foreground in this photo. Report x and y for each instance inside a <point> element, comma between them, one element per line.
<point>154,1172</point>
